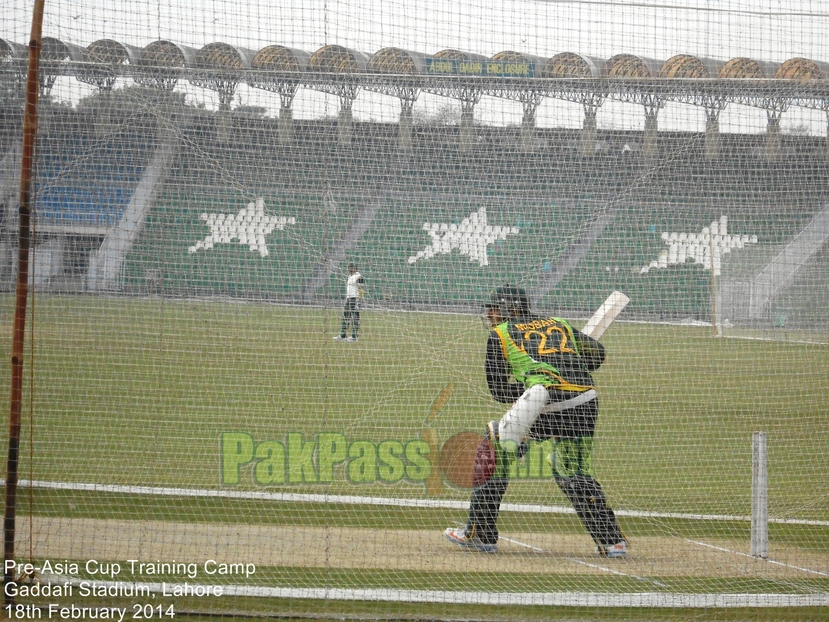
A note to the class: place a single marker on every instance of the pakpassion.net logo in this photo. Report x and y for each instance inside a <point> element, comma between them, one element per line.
<point>331,456</point>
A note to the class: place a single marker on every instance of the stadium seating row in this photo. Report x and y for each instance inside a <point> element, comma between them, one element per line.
<point>540,209</point>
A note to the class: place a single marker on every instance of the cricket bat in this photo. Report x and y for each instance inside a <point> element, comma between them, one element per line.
<point>605,315</point>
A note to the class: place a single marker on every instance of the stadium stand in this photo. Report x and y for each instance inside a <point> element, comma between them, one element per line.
<point>368,200</point>
<point>86,179</point>
<point>556,194</point>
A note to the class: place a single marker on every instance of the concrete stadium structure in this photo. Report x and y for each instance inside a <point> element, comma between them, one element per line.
<point>99,195</point>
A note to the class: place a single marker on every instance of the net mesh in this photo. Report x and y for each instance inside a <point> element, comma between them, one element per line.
<point>194,426</point>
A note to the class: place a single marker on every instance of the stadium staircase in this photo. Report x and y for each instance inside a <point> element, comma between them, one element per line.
<point>779,272</point>
<point>105,266</point>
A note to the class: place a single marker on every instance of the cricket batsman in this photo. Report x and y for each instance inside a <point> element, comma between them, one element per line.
<point>553,398</point>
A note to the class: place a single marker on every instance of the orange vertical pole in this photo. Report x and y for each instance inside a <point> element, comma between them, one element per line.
<point>22,292</point>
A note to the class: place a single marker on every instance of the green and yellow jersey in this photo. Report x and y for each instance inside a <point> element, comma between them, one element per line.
<point>540,350</point>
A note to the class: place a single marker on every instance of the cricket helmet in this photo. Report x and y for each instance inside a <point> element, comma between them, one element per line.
<point>510,301</point>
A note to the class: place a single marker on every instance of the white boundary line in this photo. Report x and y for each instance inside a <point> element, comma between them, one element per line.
<point>359,500</point>
<point>559,599</point>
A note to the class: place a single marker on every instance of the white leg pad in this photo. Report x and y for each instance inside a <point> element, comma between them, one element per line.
<point>516,424</point>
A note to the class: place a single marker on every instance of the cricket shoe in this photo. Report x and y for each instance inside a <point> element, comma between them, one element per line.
<point>618,550</point>
<point>340,338</point>
<point>458,536</point>
<point>352,339</point>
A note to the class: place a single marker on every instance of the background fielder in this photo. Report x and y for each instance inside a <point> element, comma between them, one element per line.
<point>354,292</point>
<point>553,398</point>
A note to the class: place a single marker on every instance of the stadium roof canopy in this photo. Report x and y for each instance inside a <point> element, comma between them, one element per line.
<point>510,60</point>
<point>220,67</point>
<point>572,65</point>
<point>631,66</point>
<point>58,51</point>
<point>803,70</point>
<point>453,54</point>
<point>13,55</point>
<point>397,61</point>
<point>339,60</point>
<point>12,49</point>
<point>690,67</point>
<point>747,68</point>
<point>101,61</point>
<point>277,68</point>
<point>54,54</point>
<point>161,63</point>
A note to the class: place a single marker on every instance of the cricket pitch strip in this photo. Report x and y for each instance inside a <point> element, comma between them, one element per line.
<point>402,550</point>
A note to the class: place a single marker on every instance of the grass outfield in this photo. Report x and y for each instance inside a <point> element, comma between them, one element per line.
<point>296,610</point>
<point>139,392</point>
<point>132,392</point>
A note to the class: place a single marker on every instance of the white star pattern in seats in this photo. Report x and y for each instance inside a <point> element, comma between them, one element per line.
<point>471,237</point>
<point>249,227</point>
<point>706,247</point>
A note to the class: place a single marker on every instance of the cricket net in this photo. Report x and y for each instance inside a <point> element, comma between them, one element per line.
<point>201,432</point>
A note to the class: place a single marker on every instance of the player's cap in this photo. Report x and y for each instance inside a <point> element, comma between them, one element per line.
<point>352,266</point>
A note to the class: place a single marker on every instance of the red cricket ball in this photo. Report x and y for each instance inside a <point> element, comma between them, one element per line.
<point>467,459</point>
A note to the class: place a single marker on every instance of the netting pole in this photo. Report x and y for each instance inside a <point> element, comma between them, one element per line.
<point>715,325</point>
<point>759,497</point>
<point>22,292</point>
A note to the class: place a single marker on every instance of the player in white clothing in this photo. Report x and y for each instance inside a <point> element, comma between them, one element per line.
<point>354,292</point>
